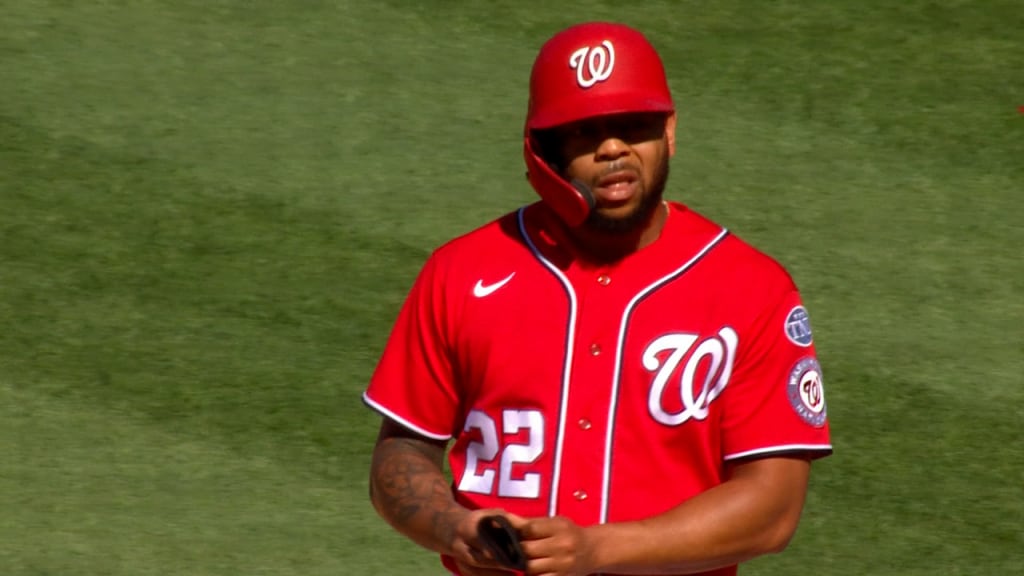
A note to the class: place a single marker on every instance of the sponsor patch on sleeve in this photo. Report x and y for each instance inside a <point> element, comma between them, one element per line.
<point>798,327</point>
<point>805,391</point>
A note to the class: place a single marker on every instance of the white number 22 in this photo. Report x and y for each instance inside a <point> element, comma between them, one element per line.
<point>481,481</point>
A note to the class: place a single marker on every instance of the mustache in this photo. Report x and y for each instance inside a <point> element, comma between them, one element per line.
<point>617,166</point>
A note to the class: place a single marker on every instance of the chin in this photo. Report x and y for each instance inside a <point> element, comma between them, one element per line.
<point>621,219</point>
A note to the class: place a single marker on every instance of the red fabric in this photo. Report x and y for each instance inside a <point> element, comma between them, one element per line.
<point>594,69</point>
<point>601,393</point>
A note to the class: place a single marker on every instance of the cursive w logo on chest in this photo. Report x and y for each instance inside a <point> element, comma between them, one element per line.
<point>710,362</point>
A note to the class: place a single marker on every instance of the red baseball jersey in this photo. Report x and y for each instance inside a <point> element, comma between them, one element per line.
<point>605,392</point>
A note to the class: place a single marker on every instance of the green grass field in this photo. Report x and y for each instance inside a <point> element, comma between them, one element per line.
<point>210,211</point>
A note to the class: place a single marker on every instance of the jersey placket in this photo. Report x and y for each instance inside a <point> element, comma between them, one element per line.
<point>586,426</point>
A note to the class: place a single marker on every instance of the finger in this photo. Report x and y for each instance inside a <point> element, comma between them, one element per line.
<point>538,528</point>
<point>515,520</point>
<point>470,570</point>
<point>480,557</point>
<point>545,567</point>
<point>469,528</point>
<point>471,555</point>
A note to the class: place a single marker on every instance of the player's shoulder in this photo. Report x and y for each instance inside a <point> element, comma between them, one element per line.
<point>742,261</point>
<point>758,262</point>
<point>495,240</point>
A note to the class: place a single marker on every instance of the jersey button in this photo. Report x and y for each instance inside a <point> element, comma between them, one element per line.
<point>580,494</point>
<point>604,280</point>
<point>595,350</point>
<point>584,424</point>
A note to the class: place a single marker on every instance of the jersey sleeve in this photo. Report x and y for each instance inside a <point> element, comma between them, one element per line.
<point>775,403</point>
<point>413,383</point>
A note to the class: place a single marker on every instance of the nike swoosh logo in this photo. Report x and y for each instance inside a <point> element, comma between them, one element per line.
<point>481,289</point>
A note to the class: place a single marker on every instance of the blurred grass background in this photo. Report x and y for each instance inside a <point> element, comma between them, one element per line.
<point>210,211</point>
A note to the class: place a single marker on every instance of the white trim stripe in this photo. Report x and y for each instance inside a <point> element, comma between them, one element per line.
<point>403,421</point>
<point>780,449</point>
<point>570,345</point>
<point>624,323</point>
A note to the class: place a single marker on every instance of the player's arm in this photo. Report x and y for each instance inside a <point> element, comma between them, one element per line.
<point>409,490</point>
<point>754,512</point>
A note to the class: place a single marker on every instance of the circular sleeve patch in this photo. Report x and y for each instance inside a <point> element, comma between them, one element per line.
<point>798,327</point>
<point>805,391</point>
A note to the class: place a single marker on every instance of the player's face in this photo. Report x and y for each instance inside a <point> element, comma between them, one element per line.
<point>624,159</point>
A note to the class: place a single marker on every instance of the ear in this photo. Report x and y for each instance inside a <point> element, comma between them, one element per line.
<point>670,133</point>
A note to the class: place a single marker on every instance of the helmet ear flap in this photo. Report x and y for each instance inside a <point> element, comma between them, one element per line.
<point>571,201</point>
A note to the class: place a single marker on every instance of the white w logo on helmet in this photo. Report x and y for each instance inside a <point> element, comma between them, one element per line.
<point>599,63</point>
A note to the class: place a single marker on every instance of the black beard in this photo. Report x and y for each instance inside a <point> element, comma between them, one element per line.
<point>639,217</point>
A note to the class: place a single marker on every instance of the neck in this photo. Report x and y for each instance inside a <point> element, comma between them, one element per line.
<point>604,247</point>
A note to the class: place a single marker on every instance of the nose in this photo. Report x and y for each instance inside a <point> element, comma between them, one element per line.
<point>611,148</point>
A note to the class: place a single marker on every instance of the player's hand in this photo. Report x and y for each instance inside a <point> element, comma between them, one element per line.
<point>470,553</point>
<point>555,546</point>
<point>467,570</point>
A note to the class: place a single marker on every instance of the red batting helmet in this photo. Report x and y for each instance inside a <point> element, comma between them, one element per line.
<point>588,70</point>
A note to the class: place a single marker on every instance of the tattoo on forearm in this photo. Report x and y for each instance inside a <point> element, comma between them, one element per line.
<point>445,522</point>
<point>407,481</point>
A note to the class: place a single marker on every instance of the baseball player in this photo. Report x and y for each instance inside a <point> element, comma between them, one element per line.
<point>621,385</point>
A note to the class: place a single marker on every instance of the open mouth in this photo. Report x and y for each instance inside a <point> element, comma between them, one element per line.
<point>618,186</point>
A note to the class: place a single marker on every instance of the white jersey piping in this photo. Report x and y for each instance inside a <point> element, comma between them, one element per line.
<point>570,345</point>
<point>613,404</point>
<point>404,422</point>
<point>780,449</point>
